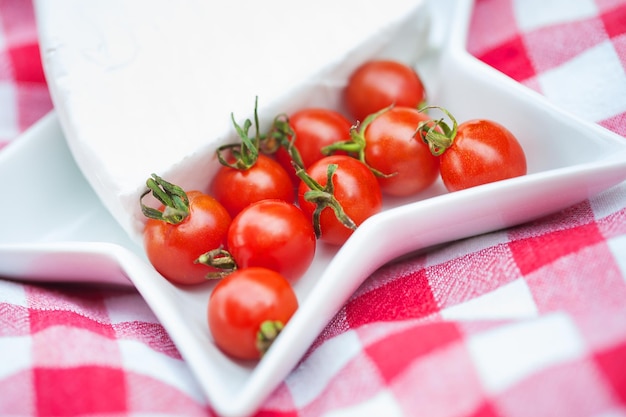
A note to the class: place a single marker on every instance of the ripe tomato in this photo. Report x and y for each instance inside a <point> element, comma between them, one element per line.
<point>476,152</point>
<point>238,188</point>
<point>173,248</point>
<point>247,310</point>
<point>408,165</point>
<point>314,128</point>
<point>273,234</point>
<point>380,83</point>
<point>353,189</point>
<point>483,151</point>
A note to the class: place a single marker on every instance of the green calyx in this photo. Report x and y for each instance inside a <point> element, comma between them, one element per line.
<point>356,144</point>
<point>267,334</point>
<point>437,134</point>
<point>323,197</point>
<point>173,198</point>
<point>221,260</point>
<point>282,135</point>
<point>245,153</point>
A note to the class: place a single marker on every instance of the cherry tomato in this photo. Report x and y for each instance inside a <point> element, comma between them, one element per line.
<point>273,234</point>
<point>408,165</point>
<point>380,83</point>
<point>247,310</point>
<point>238,188</point>
<point>476,152</point>
<point>314,128</point>
<point>173,248</point>
<point>483,151</point>
<point>354,188</point>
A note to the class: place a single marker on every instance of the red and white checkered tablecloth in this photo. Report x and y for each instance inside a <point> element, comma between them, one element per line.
<point>529,321</point>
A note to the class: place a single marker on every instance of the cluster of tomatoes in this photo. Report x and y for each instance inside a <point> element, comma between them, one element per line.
<point>314,176</point>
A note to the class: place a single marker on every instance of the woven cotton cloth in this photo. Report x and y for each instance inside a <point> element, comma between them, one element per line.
<point>528,321</point>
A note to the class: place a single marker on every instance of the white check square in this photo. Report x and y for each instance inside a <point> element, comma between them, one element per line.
<point>15,348</point>
<point>591,86</point>
<point>508,354</point>
<point>322,366</point>
<point>510,301</point>
<point>534,14</point>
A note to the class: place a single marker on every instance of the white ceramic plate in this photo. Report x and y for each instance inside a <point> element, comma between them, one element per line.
<point>569,161</point>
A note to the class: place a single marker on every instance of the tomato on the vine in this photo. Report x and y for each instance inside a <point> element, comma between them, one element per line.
<point>248,309</point>
<point>187,225</point>
<point>378,84</point>
<point>313,129</point>
<point>384,142</point>
<point>343,193</point>
<point>475,152</point>
<point>238,188</point>
<point>273,234</point>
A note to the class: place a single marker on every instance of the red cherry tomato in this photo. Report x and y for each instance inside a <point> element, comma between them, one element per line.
<point>238,188</point>
<point>482,151</point>
<point>475,152</point>
<point>173,248</point>
<point>273,234</point>
<point>355,189</point>
<point>314,128</point>
<point>408,164</point>
<point>380,83</point>
<point>247,310</point>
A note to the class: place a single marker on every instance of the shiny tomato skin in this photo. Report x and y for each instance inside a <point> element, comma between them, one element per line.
<point>242,301</point>
<point>355,188</point>
<point>273,234</point>
<point>314,128</point>
<point>483,151</point>
<point>391,149</point>
<point>266,179</point>
<point>378,84</point>
<point>172,249</point>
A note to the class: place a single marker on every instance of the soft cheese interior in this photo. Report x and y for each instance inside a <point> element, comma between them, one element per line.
<point>149,86</point>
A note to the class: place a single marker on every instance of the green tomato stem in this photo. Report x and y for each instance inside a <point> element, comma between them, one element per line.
<point>323,197</point>
<point>219,259</point>
<point>267,334</point>
<point>438,141</point>
<point>171,196</point>
<point>283,133</point>
<point>357,143</point>
<point>246,152</point>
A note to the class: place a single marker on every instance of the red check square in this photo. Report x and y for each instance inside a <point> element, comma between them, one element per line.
<point>78,391</point>
<point>612,363</point>
<point>614,21</point>
<point>382,303</point>
<point>532,253</point>
<point>510,58</point>
<point>27,64</point>
<point>394,352</point>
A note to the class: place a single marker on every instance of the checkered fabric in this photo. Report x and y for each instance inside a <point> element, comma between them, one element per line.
<point>528,321</point>
<point>24,97</point>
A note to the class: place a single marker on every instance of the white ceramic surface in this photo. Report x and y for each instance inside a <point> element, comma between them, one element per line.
<point>149,85</point>
<point>569,161</point>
